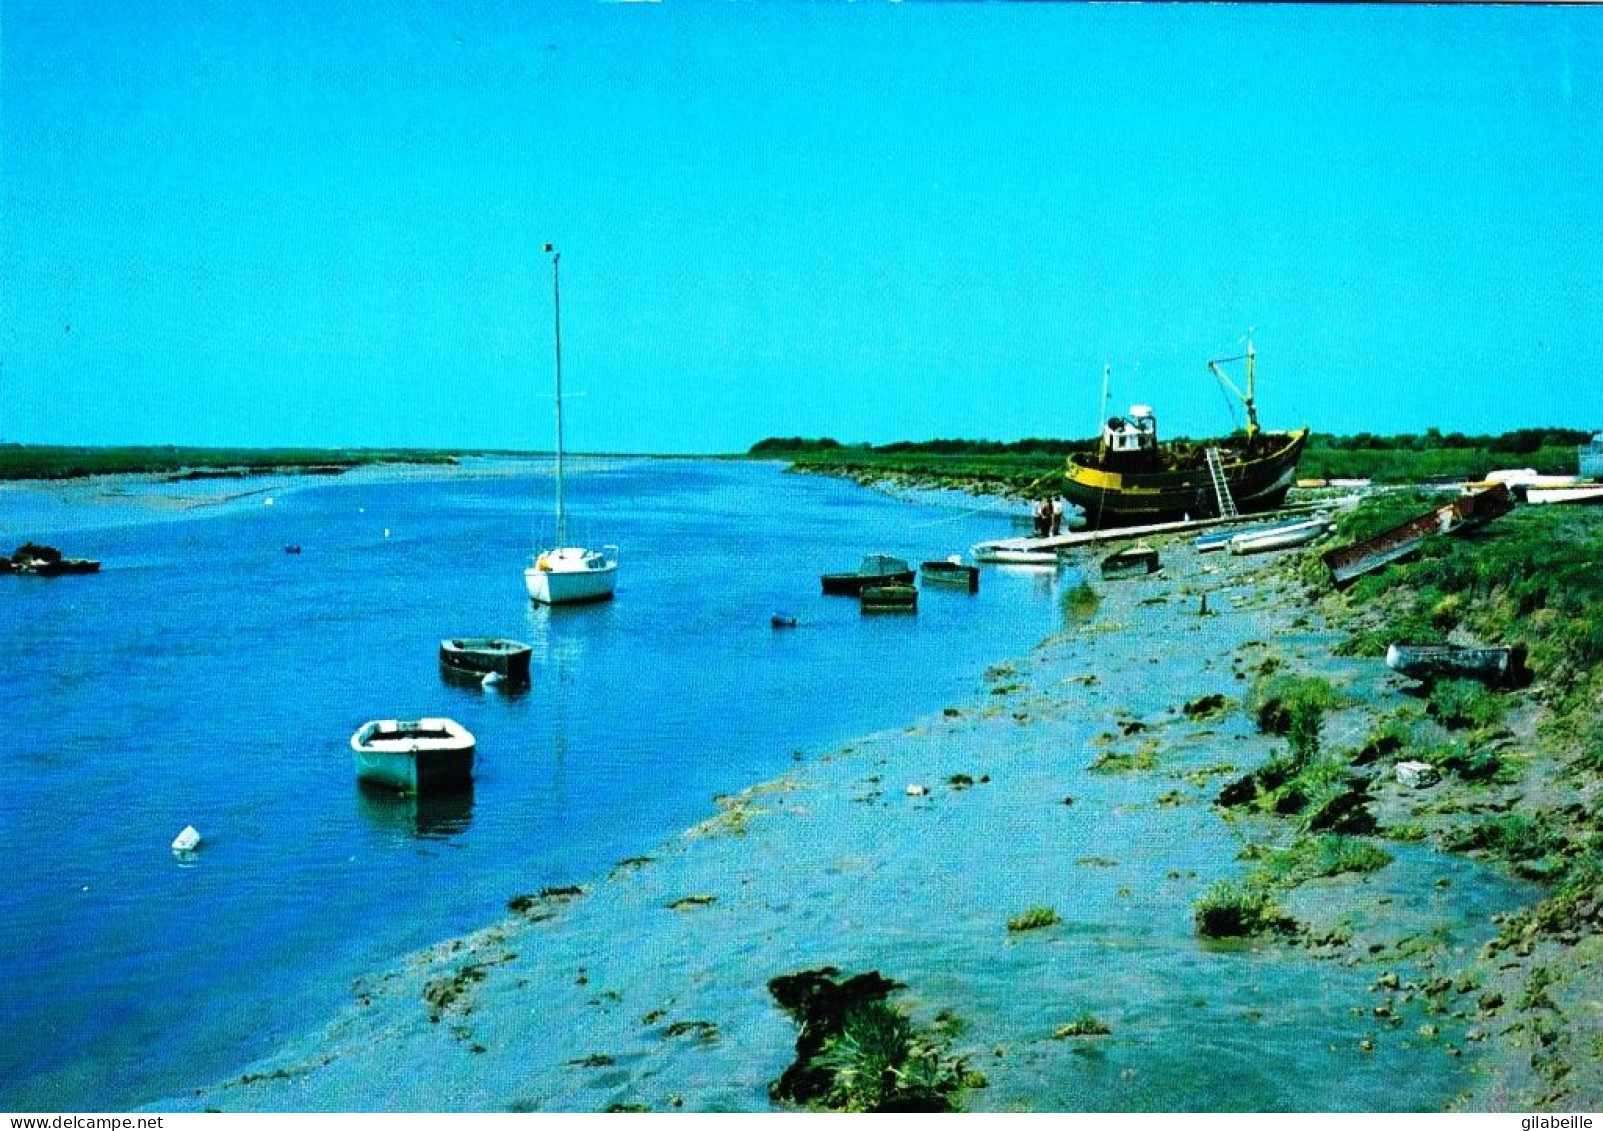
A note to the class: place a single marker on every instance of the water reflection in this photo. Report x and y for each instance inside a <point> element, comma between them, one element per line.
<point>1079,602</point>
<point>512,689</point>
<point>431,816</point>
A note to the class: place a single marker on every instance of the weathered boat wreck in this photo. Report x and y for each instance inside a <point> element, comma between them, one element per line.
<point>1496,667</point>
<point>1348,563</point>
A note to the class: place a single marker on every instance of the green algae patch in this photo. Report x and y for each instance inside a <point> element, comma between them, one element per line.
<point>691,902</point>
<point>545,904</point>
<point>1316,857</point>
<point>1116,762</point>
<point>1033,920</point>
<point>1085,1025</point>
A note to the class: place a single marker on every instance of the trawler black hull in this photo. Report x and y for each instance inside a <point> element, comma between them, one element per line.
<point>1115,495</point>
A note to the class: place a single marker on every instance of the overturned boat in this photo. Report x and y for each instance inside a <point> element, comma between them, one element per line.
<point>413,756</point>
<point>1133,479</point>
<point>1496,667</point>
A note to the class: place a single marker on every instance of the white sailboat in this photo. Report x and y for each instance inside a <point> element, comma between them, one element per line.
<point>565,574</point>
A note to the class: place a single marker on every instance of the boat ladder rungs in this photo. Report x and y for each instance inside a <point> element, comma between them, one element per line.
<point>1221,488</point>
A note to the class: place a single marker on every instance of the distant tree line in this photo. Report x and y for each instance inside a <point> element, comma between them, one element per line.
<point>1034,446</point>
<point>1520,441</point>
<point>1523,441</point>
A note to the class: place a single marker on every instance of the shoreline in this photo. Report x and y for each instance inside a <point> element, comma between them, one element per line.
<point>160,495</point>
<point>646,987</point>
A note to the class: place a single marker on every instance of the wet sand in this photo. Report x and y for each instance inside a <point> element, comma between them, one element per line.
<point>647,987</point>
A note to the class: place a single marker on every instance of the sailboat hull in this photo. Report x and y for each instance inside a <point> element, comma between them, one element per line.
<point>571,577</point>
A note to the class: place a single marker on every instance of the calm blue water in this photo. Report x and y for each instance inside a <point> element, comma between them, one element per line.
<point>208,678</point>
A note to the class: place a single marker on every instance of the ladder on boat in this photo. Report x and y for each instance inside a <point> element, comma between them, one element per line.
<point>1221,489</point>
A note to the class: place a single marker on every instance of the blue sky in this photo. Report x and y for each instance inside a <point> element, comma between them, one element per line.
<point>302,223</point>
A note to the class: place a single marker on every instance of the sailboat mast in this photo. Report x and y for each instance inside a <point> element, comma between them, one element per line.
<point>556,307</point>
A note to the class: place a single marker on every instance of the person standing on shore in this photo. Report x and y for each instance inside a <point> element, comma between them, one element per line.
<point>1057,515</point>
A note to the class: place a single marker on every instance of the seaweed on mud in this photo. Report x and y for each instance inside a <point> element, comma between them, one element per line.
<point>1230,909</point>
<point>689,902</point>
<point>1208,707</point>
<point>1033,919</point>
<point>1315,857</point>
<point>1085,1025</point>
<point>856,1052</point>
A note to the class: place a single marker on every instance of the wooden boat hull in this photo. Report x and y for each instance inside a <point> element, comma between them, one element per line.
<point>481,656</point>
<point>952,573</point>
<point>1348,563</point>
<point>889,599</point>
<point>1138,561</point>
<point>1498,667</point>
<point>416,756</point>
<point>1114,496</point>
<point>853,584</point>
<point>876,569</point>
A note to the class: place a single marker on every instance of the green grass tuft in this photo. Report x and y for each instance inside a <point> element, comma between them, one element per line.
<point>1033,919</point>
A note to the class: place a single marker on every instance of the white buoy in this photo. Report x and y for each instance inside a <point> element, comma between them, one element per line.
<point>490,679</point>
<point>186,841</point>
<point>916,790</point>
<point>386,532</point>
<point>267,502</point>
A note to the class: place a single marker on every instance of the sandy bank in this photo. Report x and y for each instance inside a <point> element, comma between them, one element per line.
<point>647,987</point>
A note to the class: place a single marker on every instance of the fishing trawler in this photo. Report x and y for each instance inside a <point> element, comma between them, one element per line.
<point>1132,479</point>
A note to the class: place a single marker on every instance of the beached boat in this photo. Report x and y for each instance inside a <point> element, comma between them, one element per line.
<point>1220,539</point>
<point>413,756</point>
<point>1283,537</point>
<point>997,554</point>
<point>1517,477</point>
<point>564,574</point>
<point>875,569</point>
<point>485,655</point>
<point>953,572</point>
<point>1499,667</point>
<point>1348,563</point>
<point>1572,493</point>
<point>1134,479</point>
<point>1137,561</point>
<point>889,599</point>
